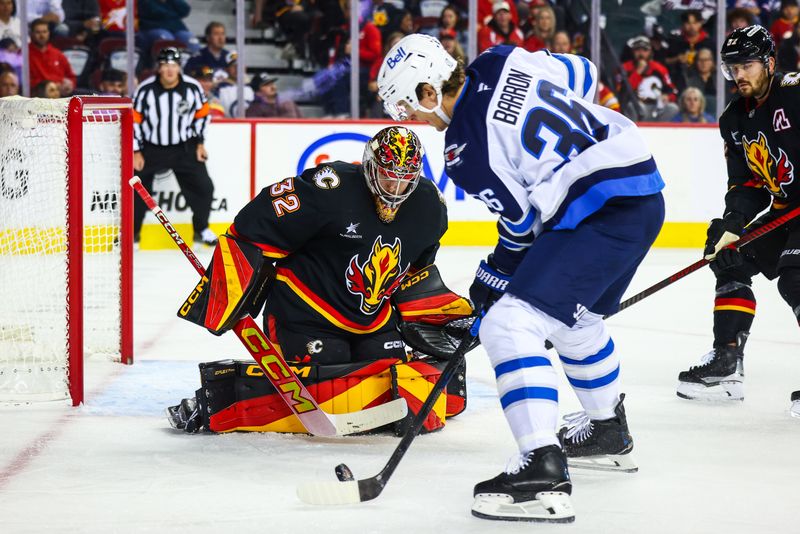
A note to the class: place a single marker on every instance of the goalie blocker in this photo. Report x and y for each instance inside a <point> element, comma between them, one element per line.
<point>234,395</point>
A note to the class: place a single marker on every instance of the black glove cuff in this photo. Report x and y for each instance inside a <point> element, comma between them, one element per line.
<point>735,222</point>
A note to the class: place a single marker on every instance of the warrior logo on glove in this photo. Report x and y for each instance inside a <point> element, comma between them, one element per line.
<point>378,276</point>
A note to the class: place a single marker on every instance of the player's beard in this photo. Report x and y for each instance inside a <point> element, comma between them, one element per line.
<point>758,89</point>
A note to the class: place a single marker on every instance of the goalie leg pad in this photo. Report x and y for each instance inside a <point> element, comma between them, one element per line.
<point>235,396</point>
<point>236,284</point>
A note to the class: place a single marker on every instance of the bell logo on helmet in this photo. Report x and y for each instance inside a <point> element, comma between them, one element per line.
<point>397,58</point>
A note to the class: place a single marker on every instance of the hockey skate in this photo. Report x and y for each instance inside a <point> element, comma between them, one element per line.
<point>534,487</point>
<point>185,416</point>
<point>720,375</point>
<point>599,445</point>
<point>795,408</point>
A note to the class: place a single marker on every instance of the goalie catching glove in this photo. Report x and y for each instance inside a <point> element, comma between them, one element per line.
<point>434,319</point>
<point>236,284</point>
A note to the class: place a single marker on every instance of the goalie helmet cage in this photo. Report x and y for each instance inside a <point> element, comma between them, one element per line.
<point>66,242</point>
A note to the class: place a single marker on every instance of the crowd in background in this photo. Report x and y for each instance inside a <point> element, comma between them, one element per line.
<point>658,64</point>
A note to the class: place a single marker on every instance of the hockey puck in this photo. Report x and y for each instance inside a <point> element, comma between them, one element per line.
<point>344,474</point>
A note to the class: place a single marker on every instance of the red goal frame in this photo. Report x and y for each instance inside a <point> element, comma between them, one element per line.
<point>77,115</point>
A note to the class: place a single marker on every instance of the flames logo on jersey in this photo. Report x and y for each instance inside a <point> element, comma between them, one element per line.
<point>775,173</point>
<point>378,276</point>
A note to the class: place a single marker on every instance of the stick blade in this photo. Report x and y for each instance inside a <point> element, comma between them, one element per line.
<point>329,493</point>
<point>363,420</point>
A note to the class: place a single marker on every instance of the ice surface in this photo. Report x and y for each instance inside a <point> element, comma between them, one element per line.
<point>114,465</point>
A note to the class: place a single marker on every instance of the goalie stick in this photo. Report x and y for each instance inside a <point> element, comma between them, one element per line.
<point>293,392</point>
<point>350,491</point>
<point>745,239</point>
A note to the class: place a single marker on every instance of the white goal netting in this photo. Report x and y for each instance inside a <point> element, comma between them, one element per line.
<point>38,155</point>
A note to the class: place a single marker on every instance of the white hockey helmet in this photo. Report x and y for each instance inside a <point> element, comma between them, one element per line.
<point>415,59</point>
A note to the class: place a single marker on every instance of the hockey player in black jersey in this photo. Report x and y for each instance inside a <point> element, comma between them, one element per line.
<point>343,237</point>
<point>761,131</point>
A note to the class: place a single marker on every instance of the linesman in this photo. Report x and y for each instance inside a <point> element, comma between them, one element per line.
<point>171,115</point>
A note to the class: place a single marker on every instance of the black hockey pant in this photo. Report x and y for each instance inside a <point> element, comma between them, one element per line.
<point>193,179</point>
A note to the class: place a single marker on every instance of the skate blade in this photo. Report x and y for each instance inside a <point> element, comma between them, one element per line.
<point>171,416</point>
<point>548,507</point>
<point>725,390</point>
<point>622,463</point>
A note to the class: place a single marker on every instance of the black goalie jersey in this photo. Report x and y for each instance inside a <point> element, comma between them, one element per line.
<point>337,263</point>
<point>762,148</point>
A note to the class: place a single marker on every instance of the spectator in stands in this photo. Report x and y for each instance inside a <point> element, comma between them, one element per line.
<point>49,11</point>
<point>213,54</point>
<point>739,17</point>
<point>114,82</point>
<point>227,92</point>
<point>789,52</point>
<point>702,75</point>
<point>561,43</point>
<point>11,56</point>
<point>787,19</point>
<point>205,77</point>
<point>450,19</point>
<point>385,16</point>
<point>684,45</point>
<point>9,84</point>
<point>162,20</point>
<point>113,14</point>
<point>500,30</point>
<point>82,17</point>
<point>450,43</point>
<point>9,24</point>
<point>407,26</point>
<point>46,89</point>
<point>749,9</point>
<point>693,107</point>
<point>650,81</point>
<point>486,12</point>
<point>541,28</point>
<point>293,19</point>
<point>267,103</point>
<point>47,62</point>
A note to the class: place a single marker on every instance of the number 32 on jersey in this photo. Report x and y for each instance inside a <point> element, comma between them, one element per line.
<point>285,201</point>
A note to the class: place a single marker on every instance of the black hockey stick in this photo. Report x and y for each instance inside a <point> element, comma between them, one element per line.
<point>350,491</point>
<point>745,239</point>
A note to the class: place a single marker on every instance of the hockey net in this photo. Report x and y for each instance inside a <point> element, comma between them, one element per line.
<point>65,243</point>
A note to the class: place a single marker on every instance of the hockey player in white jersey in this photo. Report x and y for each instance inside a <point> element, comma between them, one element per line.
<point>578,198</point>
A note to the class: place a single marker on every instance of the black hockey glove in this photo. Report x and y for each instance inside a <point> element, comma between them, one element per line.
<point>489,285</point>
<point>723,232</point>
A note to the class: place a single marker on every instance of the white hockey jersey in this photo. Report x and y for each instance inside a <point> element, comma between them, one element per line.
<point>527,139</point>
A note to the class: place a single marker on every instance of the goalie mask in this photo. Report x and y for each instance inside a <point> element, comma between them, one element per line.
<point>392,165</point>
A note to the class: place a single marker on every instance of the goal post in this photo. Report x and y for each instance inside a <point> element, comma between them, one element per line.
<point>66,242</point>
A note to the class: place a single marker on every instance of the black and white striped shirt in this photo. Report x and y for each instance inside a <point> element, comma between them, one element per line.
<point>169,117</point>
